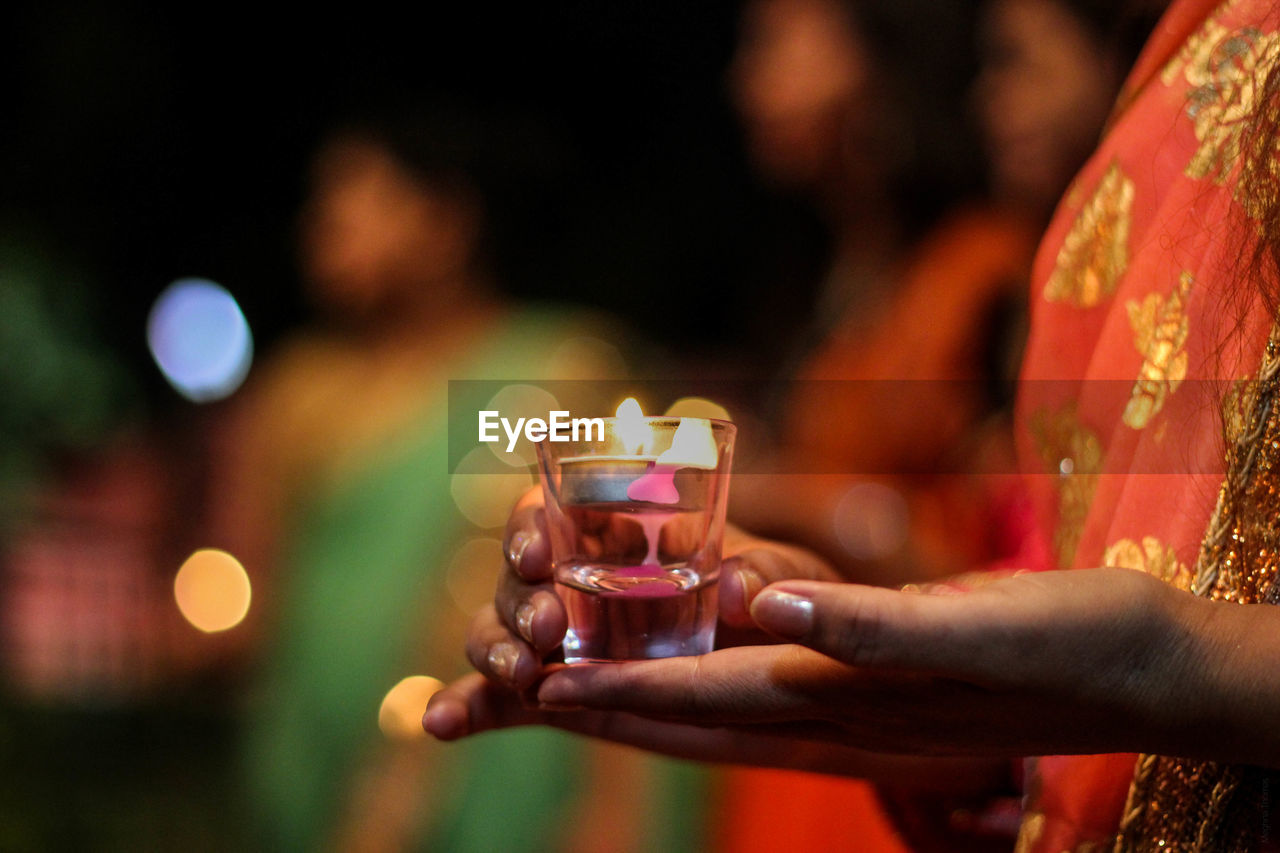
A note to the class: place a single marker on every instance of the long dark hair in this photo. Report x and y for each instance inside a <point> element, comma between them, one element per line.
<point>1259,191</point>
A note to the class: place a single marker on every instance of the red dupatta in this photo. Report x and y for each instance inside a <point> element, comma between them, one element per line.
<point>1137,319</point>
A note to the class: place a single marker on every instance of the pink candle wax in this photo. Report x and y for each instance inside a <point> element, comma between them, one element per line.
<point>656,485</point>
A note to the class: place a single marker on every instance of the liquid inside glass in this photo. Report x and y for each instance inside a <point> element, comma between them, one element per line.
<point>637,606</point>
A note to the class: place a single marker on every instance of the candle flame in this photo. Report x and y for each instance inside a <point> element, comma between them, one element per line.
<point>629,409</point>
<point>630,427</point>
<point>693,445</point>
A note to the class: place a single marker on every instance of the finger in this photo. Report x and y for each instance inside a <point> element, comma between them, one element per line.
<point>755,566</point>
<point>971,635</point>
<point>532,611</point>
<point>526,543</point>
<point>473,705</point>
<point>760,745</point>
<point>500,654</point>
<point>747,684</point>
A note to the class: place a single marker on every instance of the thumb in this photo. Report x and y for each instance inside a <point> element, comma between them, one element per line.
<point>750,569</point>
<point>960,635</point>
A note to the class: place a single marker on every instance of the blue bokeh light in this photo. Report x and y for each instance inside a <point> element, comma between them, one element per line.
<point>200,339</point>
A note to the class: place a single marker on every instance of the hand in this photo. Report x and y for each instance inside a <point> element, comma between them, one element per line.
<point>510,639</point>
<point>474,704</point>
<point>1055,662</point>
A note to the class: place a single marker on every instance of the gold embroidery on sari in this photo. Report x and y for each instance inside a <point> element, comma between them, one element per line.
<point>1221,102</point>
<point>1160,329</point>
<point>1032,829</point>
<point>1095,253</point>
<point>1196,51</point>
<point>1074,453</point>
<point>1029,832</point>
<point>1160,432</point>
<point>1225,71</point>
<point>1151,556</point>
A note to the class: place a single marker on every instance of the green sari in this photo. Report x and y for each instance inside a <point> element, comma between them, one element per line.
<point>364,573</point>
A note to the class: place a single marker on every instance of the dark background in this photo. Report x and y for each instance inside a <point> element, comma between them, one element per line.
<point>141,143</point>
<point>145,144</point>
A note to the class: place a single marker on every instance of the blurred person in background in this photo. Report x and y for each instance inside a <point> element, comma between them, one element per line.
<point>922,315</point>
<point>861,106</point>
<point>1149,434</point>
<point>1051,70</point>
<point>363,548</point>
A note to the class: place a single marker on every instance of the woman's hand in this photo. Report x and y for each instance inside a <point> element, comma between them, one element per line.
<point>474,704</point>
<point>1056,662</point>
<point>526,623</point>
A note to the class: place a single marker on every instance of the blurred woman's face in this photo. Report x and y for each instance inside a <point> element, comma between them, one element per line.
<point>796,75</point>
<point>373,235</point>
<point>1045,90</point>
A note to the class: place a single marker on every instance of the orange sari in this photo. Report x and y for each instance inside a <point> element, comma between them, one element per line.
<point>1137,320</point>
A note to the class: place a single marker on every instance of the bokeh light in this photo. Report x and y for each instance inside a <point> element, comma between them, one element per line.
<point>212,590</point>
<point>484,490</point>
<point>698,407</point>
<point>200,339</point>
<point>872,521</point>
<point>400,715</point>
<point>520,401</point>
<point>473,573</point>
<point>586,357</point>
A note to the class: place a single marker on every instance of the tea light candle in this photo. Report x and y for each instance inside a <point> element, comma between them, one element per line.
<point>601,479</point>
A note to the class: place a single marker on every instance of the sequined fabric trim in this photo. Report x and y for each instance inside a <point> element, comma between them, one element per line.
<point>1183,805</point>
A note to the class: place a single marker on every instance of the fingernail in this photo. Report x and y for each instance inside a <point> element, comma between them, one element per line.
<point>519,543</point>
<point>557,694</point>
<point>503,658</point>
<point>751,583</point>
<point>438,722</point>
<point>783,613</point>
<point>524,621</point>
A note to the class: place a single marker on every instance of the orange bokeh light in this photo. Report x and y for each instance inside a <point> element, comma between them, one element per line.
<point>400,716</point>
<point>212,590</point>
